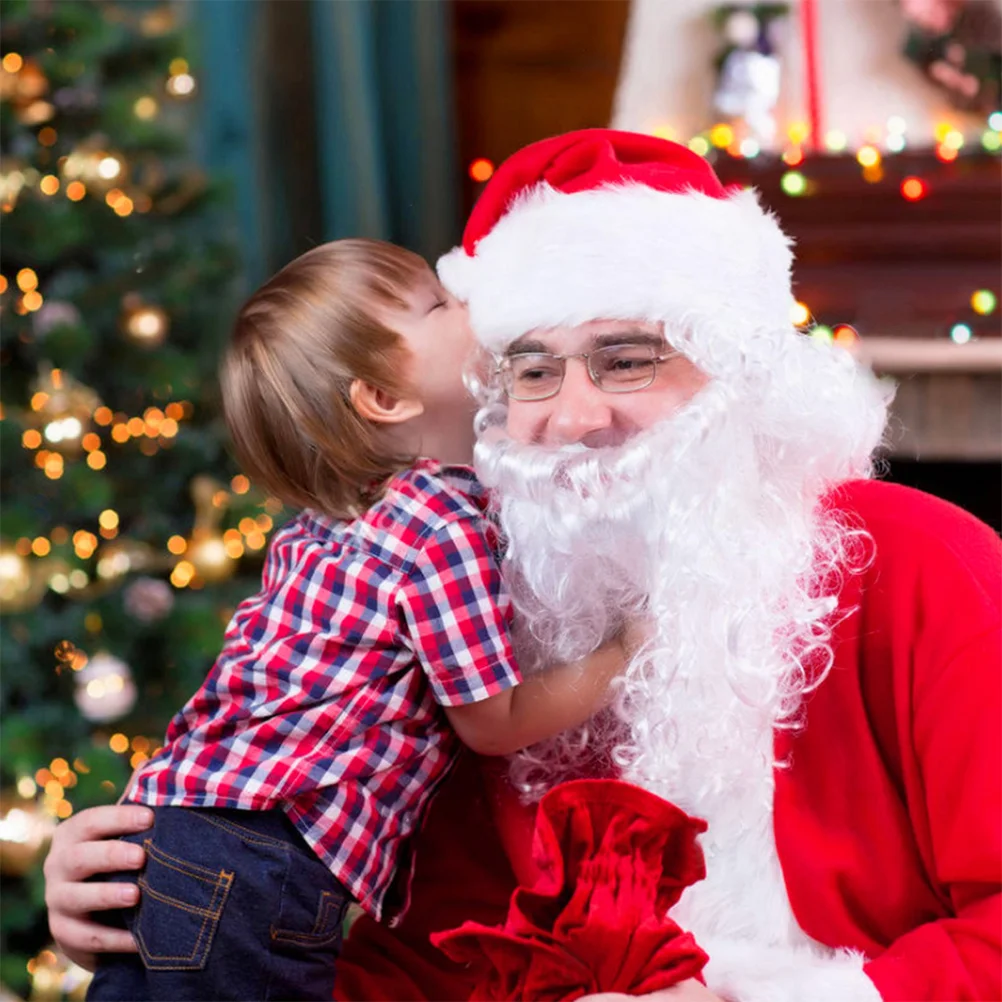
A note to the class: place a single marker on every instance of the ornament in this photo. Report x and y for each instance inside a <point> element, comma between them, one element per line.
<point>206,550</point>
<point>21,584</point>
<point>61,408</point>
<point>12,181</point>
<point>97,167</point>
<point>148,599</point>
<point>53,314</point>
<point>24,89</point>
<point>105,690</point>
<point>207,554</point>
<point>75,100</point>
<point>25,831</point>
<point>143,323</point>
<point>748,76</point>
<point>55,978</point>
<point>122,556</point>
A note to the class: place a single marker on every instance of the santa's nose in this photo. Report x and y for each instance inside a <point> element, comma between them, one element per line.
<point>580,412</point>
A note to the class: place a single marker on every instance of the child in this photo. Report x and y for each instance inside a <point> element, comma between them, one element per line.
<point>290,783</point>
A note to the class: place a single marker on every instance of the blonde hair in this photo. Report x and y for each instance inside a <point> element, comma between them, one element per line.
<point>298,344</point>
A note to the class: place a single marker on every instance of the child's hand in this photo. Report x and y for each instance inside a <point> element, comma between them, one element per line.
<point>82,847</point>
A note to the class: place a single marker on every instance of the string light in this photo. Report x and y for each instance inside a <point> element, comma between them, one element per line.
<point>798,132</point>
<point>481,170</point>
<point>995,121</point>
<point>835,140</point>
<point>800,314</point>
<point>868,156</point>
<point>914,189</point>
<point>983,301</point>
<point>721,135</point>
<point>109,167</point>
<point>146,108</point>
<point>960,334</point>
<point>181,85</point>
<point>793,183</point>
<point>844,335</point>
<point>698,144</point>
<point>953,140</point>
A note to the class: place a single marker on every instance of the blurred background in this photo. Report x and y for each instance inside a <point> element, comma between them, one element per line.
<point>159,160</point>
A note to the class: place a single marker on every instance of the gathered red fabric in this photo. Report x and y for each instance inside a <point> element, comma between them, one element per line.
<point>610,860</point>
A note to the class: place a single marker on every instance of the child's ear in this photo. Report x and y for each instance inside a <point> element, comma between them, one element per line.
<point>376,405</point>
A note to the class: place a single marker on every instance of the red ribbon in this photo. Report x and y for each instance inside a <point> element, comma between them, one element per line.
<point>809,25</point>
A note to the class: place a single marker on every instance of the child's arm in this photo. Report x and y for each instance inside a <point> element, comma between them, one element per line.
<point>545,704</point>
<point>456,608</point>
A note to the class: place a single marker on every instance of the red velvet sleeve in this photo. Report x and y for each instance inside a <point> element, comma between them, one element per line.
<point>956,735</point>
<point>948,695</point>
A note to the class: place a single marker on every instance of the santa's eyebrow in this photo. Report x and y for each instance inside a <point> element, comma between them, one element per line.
<point>527,347</point>
<point>628,337</point>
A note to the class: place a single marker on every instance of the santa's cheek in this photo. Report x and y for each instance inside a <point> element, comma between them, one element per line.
<point>525,422</point>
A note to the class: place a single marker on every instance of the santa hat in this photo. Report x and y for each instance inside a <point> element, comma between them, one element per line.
<point>601,224</point>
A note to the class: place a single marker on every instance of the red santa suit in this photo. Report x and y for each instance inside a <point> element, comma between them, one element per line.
<point>887,811</point>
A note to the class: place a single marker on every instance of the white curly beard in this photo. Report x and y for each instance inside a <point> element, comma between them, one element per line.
<point>711,526</point>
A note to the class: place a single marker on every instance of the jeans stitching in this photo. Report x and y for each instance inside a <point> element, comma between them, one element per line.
<point>212,916</point>
<point>177,902</point>
<point>327,902</point>
<point>183,866</point>
<point>247,834</point>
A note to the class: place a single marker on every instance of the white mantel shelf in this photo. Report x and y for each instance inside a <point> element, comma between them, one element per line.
<point>910,355</point>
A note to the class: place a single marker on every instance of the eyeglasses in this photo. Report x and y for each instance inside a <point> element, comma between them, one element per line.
<point>616,368</point>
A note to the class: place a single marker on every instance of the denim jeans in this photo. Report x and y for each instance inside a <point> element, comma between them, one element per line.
<point>234,905</point>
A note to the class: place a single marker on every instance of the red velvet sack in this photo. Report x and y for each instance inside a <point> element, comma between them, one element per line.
<point>611,860</point>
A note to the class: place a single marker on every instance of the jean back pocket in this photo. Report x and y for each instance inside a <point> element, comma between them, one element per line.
<point>179,911</point>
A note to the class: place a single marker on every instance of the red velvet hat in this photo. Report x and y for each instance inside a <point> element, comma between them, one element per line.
<point>601,224</point>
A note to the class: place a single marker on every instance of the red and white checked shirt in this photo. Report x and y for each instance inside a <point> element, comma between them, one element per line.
<point>326,699</point>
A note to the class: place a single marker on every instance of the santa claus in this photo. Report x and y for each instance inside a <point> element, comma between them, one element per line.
<point>821,683</point>
<point>821,679</point>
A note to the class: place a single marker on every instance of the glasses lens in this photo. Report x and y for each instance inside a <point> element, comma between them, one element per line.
<point>624,367</point>
<point>532,377</point>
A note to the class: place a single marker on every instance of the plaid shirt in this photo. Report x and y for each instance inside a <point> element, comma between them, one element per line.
<point>324,698</point>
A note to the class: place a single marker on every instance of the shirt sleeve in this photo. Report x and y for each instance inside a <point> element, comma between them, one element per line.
<point>457,613</point>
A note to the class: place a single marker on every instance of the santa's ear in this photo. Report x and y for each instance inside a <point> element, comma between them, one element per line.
<point>381,407</point>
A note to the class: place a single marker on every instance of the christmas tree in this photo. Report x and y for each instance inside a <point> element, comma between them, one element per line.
<point>127,534</point>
